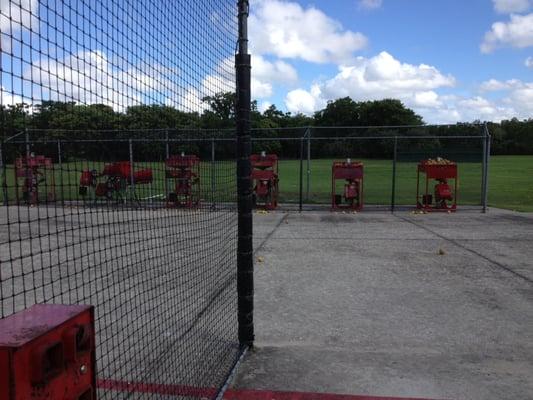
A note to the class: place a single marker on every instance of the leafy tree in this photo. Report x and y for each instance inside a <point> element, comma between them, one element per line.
<point>221,113</point>
<point>346,112</point>
<point>341,112</point>
<point>13,119</point>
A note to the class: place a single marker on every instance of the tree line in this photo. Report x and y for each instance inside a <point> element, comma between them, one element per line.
<point>68,120</point>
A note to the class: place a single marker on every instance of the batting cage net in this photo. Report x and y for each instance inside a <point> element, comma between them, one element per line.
<point>112,195</point>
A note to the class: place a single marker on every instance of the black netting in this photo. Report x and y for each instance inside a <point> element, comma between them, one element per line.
<point>116,191</point>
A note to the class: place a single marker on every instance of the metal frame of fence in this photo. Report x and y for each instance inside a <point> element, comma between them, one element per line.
<point>310,135</point>
<point>303,139</point>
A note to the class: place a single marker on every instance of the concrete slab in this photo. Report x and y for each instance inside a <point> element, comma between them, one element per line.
<point>408,305</point>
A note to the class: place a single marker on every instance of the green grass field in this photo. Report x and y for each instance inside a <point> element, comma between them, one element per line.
<point>510,181</point>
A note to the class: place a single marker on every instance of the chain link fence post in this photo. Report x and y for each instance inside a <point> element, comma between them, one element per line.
<point>486,160</point>
<point>60,164</point>
<point>300,197</point>
<point>394,162</point>
<point>132,179</point>
<point>4,175</point>
<point>213,172</point>
<point>309,132</point>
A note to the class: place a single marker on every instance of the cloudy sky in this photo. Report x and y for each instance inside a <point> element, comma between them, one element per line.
<point>450,60</point>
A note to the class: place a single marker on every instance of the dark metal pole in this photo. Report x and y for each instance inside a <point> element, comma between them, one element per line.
<point>486,157</point>
<point>301,174</point>
<point>394,161</point>
<point>132,180</point>
<point>213,177</point>
<point>167,156</point>
<point>27,140</point>
<point>308,163</point>
<point>4,175</point>
<point>60,162</point>
<point>484,169</point>
<point>245,260</point>
<point>167,146</point>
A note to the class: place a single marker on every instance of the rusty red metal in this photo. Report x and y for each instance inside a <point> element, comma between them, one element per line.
<point>265,176</point>
<point>182,180</point>
<point>34,179</point>
<point>352,173</point>
<point>443,198</point>
<point>114,179</point>
<point>47,352</point>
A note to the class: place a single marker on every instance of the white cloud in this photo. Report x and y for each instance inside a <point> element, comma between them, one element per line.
<point>417,86</point>
<point>518,32</point>
<point>277,71</point>
<point>429,99</point>
<point>520,99</point>
<point>529,62</point>
<point>517,96</point>
<point>263,106</point>
<point>261,90</point>
<point>15,16</point>
<point>303,101</point>
<point>9,99</point>
<point>370,4</point>
<point>375,78</point>
<point>265,73</point>
<point>88,77</point>
<point>511,6</point>
<point>287,30</point>
<point>516,101</point>
<point>494,85</point>
<point>220,80</point>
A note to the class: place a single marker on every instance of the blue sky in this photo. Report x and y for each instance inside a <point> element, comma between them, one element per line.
<point>475,74</point>
<point>449,60</point>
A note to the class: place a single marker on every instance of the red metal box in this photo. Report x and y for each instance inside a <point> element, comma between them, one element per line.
<point>47,352</point>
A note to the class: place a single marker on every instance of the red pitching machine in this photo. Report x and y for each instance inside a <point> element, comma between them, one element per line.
<point>182,174</point>
<point>114,180</point>
<point>351,174</point>
<point>440,171</point>
<point>34,179</point>
<point>265,180</point>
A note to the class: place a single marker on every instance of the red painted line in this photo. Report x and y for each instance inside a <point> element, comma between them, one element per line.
<point>155,388</point>
<point>181,390</point>
<point>268,395</point>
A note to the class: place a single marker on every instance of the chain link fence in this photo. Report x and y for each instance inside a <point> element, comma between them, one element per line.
<point>390,156</point>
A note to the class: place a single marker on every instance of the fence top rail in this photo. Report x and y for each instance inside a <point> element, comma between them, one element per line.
<point>231,139</point>
<point>124,140</point>
<point>398,126</point>
<point>227,134</point>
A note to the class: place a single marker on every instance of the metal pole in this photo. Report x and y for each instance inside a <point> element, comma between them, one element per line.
<point>484,170</point>
<point>486,157</point>
<point>167,146</point>
<point>245,255</point>
<point>213,178</point>
<point>308,163</point>
<point>394,161</point>
<point>301,174</point>
<point>167,156</point>
<point>132,180</point>
<point>60,162</point>
<point>4,175</point>
<point>27,140</point>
